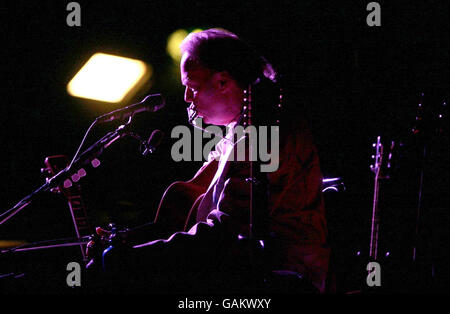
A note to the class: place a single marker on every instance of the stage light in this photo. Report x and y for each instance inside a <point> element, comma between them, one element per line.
<point>174,41</point>
<point>4,244</point>
<point>109,78</point>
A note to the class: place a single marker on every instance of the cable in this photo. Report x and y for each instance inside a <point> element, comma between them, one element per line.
<point>21,204</point>
<point>14,213</point>
<point>81,145</point>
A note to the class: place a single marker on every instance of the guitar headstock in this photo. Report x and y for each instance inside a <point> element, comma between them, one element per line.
<point>377,157</point>
<point>418,124</point>
<point>441,117</point>
<point>55,164</point>
<point>383,158</point>
<point>263,104</point>
<point>431,114</point>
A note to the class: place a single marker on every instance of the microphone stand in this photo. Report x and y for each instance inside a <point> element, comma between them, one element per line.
<point>66,177</point>
<point>76,170</point>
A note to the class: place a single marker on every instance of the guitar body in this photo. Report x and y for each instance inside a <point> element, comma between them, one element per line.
<point>53,165</point>
<point>177,210</point>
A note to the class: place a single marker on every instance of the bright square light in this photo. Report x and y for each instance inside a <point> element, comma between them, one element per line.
<point>107,78</point>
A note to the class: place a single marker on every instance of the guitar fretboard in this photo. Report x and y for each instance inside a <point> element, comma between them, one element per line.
<point>80,220</point>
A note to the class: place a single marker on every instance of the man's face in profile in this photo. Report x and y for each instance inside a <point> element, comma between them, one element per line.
<point>208,91</point>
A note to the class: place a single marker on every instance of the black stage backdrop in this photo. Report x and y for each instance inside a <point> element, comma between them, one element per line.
<point>352,82</point>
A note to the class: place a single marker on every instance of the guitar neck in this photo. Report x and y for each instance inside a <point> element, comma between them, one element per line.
<point>79,218</point>
<point>53,165</point>
<point>375,222</point>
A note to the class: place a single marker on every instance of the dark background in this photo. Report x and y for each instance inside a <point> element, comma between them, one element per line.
<point>352,82</point>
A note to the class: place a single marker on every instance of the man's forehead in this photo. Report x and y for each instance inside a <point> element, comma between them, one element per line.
<point>188,63</point>
<point>191,69</point>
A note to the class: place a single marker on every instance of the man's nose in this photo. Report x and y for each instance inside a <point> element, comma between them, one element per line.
<point>188,95</point>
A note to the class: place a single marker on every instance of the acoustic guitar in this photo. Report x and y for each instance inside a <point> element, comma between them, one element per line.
<point>179,204</point>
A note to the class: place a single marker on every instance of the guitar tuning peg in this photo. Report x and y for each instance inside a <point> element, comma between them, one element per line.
<point>55,190</point>
<point>373,156</point>
<point>75,177</point>
<point>45,170</point>
<point>95,163</point>
<point>78,175</point>
<point>374,144</point>
<point>67,183</point>
<point>81,173</point>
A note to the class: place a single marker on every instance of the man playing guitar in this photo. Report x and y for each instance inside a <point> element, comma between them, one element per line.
<point>202,225</point>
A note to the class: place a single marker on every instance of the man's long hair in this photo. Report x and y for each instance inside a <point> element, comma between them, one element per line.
<point>220,50</point>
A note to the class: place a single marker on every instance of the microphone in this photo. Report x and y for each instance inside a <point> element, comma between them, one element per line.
<point>153,141</point>
<point>150,103</point>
